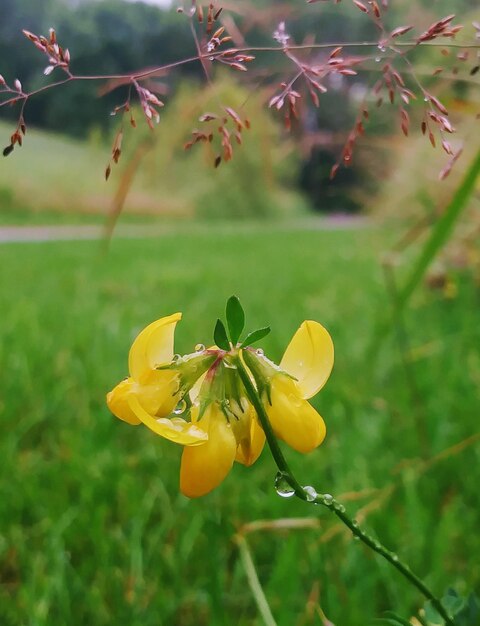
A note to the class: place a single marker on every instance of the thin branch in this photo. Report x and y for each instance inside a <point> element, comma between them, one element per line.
<point>148,73</point>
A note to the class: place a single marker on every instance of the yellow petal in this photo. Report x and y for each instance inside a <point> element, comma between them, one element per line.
<point>293,419</point>
<point>204,467</point>
<point>175,429</point>
<point>153,346</point>
<point>309,358</point>
<point>117,401</point>
<point>249,449</point>
<point>158,396</point>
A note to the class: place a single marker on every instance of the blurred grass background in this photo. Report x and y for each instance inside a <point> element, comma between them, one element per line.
<point>93,529</point>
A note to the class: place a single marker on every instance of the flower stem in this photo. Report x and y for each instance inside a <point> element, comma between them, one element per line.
<point>329,501</point>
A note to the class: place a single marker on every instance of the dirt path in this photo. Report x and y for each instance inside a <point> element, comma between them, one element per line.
<point>93,232</point>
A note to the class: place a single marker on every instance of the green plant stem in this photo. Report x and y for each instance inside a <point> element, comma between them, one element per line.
<point>329,501</point>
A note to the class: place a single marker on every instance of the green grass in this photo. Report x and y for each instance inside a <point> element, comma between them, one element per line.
<point>56,179</point>
<point>93,528</point>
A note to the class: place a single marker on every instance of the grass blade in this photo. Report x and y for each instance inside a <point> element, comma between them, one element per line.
<point>440,233</point>
<point>439,236</point>
<point>254,583</point>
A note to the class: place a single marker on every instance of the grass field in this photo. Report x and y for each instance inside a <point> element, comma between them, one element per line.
<point>55,178</point>
<point>93,528</point>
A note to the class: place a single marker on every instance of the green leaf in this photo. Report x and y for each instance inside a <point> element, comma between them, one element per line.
<point>255,336</point>
<point>432,614</point>
<point>468,614</point>
<point>220,336</point>
<point>235,318</point>
<point>453,602</point>
<point>449,593</point>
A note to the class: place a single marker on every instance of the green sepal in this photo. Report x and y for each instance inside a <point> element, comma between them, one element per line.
<point>259,372</point>
<point>235,318</point>
<point>167,366</point>
<point>232,387</point>
<point>191,367</point>
<point>220,336</point>
<point>255,336</point>
<point>212,390</point>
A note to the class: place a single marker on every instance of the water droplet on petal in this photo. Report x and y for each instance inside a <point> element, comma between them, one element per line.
<point>378,59</point>
<point>195,431</point>
<point>260,352</point>
<point>200,347</point>
<point>176,358</point>
<point>180,408</point>
<point>282,487</point>
<point>310,493</point>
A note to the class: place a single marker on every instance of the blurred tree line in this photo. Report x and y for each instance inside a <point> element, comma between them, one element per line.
<point>104,37</point>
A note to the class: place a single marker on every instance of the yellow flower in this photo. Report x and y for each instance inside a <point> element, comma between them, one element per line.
<point>204,467</point>
<point>304,369</point>
<point>233,435</point>
<point>226,431</point>
<point>150,394</point>
<point>309,359</point>
<point>223,427</point>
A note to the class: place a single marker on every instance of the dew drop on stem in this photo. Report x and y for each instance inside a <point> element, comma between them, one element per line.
<point>282,486</point>
<point>310,493</point>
